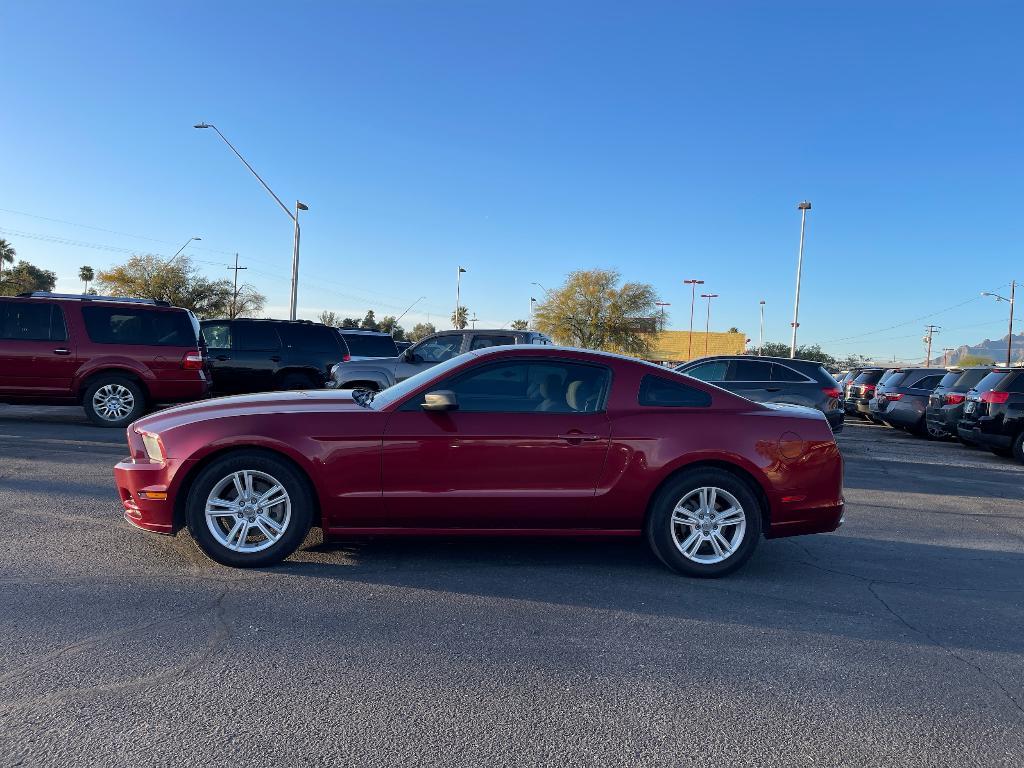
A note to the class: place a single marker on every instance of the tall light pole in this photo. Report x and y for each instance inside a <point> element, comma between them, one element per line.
<point>178,252</point>
<point>421,298</point>
<point>760,338</point>
<point>1009,337</point>
<point>458,297</point>
<point>707,325</point>
<point>693,296</point>
<point>532,302</point>
<point>293,216</point>
<point>803,207</point>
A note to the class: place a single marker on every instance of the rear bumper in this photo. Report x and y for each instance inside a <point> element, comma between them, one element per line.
<point>974,432</point>
<point>901,414</point>
<point>823,519</point>
<point>179,390</point>
<point>134,480</point>
<point>944,418</point>
<point>836,419</point>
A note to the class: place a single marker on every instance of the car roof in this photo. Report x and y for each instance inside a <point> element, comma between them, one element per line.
<point>791,361</point>
<point>551,350</point>
<point>362,331</point>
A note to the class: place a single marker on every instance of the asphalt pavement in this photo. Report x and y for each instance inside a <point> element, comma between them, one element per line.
<point>898,640</point>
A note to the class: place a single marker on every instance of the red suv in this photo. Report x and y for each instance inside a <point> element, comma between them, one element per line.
<point>114,356</point>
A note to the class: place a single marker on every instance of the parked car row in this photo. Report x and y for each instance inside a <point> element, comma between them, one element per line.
<point>117,357</point>
<point>979,405</point>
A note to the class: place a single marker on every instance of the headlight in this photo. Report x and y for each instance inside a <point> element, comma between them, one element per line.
<point>154,448</point>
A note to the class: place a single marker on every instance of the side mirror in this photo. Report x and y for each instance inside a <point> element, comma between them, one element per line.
<point>441,400</point>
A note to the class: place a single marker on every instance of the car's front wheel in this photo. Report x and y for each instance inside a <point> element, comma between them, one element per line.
<point>704,522</point>
<point>249,509</point>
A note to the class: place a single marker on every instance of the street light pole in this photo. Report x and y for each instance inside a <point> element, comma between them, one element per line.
<point>458,297</point>
<point>707,325</point>
<point>803,207</point>
<point>1009,336</point>
<point>178,252</point>
<point>693,296</point>
<point>760,338</point>
<point>293,216</point>
<point>532,323</point>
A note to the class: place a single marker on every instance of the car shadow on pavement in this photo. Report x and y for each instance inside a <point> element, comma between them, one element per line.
<point>923,477</point>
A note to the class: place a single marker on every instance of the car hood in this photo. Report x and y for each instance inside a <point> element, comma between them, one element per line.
<point>248,405</point>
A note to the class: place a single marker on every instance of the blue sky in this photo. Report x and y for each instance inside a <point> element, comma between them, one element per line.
<point>524,140</point>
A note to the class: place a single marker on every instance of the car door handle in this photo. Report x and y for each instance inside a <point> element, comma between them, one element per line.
<point>276,358</point>
<point>578,437</point>
<point>223,357</point>
<point>773,389</point>
<point>62,351</point>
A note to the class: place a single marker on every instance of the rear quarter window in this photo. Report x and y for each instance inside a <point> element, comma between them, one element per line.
<point>950,378</point>
<point>367,345</point>
<point>969,379</point>
<point>131,325</point>
<point>311,338</point>
<point>992,380</point>
<point>665,393</point>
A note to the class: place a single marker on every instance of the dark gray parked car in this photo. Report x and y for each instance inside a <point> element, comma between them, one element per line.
<point>773,380</point>
<point>946,404</point>
<point>381,373</point>
<point>901,399</point>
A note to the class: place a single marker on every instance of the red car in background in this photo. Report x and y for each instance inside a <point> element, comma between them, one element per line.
<point>508,440</point>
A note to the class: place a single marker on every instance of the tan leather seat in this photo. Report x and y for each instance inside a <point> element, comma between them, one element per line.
<point>553,391</point>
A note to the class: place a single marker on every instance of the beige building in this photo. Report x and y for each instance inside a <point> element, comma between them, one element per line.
<point>674,346</point>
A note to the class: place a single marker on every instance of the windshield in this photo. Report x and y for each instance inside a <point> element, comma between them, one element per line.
<point>399,391</point>
<point>868,377</point>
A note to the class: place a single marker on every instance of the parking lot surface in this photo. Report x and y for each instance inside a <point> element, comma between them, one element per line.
<point>898,640</point>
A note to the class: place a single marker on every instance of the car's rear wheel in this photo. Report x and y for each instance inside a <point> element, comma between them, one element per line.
<point>704,522</point>
<point>1018,447</point>
<point>297,381</point>
<point>113,401</point>
<point>1006,453</point>
<point>249,509</point>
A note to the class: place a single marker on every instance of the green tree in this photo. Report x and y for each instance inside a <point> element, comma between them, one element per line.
<point>330,318</point>
<point>591,310</point>
<point>24,277</point>
<point>86,275</point>
<point>460,318</point>
<point>349,322</point>
<point>179,283</point>
<point>369,321</point>
<point>520,325</point>
<point>421,331</point>
<point>734,329</point>
<point>389,324</point>
<point>967,360</point>
<point>7,254</point>
<point>811,352</point>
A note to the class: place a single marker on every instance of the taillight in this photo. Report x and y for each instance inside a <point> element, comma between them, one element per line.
<point>891,395</point>
<point>867,387</point>
<point>953,399</point>
<point>834,392</point>
<point>346,359</point>
<point>192,361</point>
<point>995,397</point>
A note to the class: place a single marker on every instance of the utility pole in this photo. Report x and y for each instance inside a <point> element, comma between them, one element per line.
<point>929,330</point>
<point>663,304</point>
<point>1009,335</point>
<point>458,297</point>
<point>707,324</point>
<point>945,355</point>
<point>234,293</point>
<point>803,207</point>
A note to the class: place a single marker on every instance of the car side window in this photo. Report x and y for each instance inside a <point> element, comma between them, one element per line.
<point>785,373</point>
<point>483,342</point>
<point>528,387</point>
<point>255,337</point>
<point>750,370</point>
<point>1017,385</point>
<point>663,393</point>
<point>217,336</point>
<point>438,349</point>
<point>30,321</point>
<point>928,382</point>
<point>711,371</point>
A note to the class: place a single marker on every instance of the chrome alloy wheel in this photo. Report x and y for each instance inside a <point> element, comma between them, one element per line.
<point>113,402</point>
<point>248,511</point>
<point>708,525</point>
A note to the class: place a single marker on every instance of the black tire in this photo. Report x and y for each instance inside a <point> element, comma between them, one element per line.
<point>369,386</point>
<point>105,393</point>
<point>262,464</point>
<point>1018,447</point>
<point>296,381</point>
<point>663,533</point>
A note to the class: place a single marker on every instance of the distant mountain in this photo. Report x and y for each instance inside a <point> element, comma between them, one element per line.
<point>993,349</point>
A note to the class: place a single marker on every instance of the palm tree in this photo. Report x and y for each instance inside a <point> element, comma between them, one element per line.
<point>460,318</point>
<point>85,274</point>
<point>7,253</point>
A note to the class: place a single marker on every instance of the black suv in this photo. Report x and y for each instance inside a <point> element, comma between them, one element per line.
<point>367,345</point>
<point>901,398</point>
<point>264,355</point>
<point>994,413</point>
<point>946,404</point>
<point>773,380</point>
<point>860,391</point>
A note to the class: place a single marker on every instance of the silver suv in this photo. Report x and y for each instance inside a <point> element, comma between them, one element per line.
<point>381,373</point>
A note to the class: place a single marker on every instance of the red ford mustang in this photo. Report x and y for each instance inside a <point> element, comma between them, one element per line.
<point>509,440</point>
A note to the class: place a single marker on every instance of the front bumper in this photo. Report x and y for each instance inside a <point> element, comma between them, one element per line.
<point>135,480</point>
